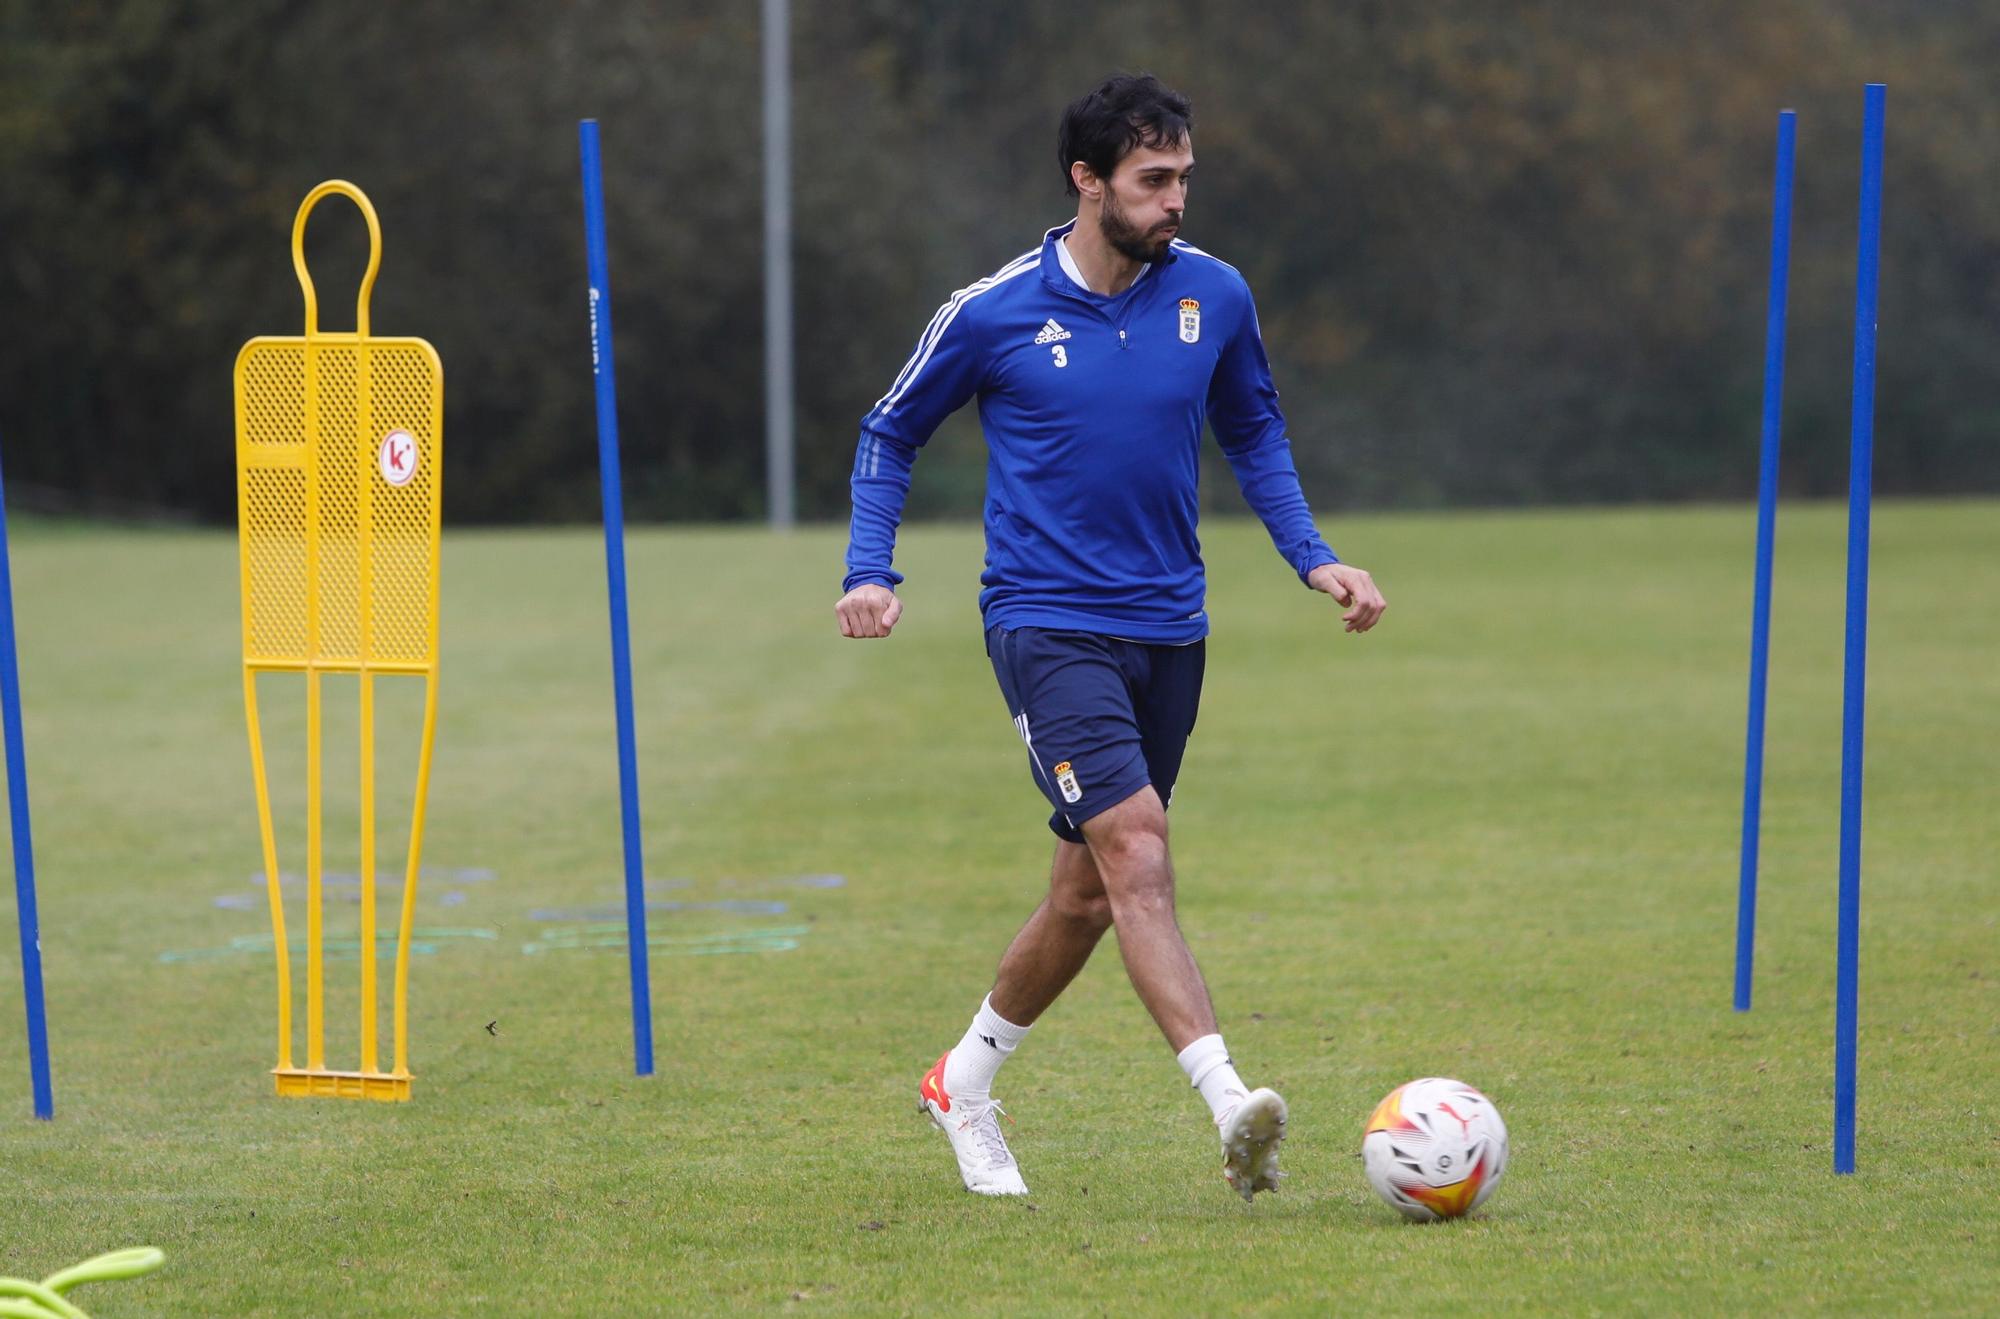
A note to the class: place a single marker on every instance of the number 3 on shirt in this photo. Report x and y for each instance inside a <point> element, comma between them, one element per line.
<point>1061,354</point>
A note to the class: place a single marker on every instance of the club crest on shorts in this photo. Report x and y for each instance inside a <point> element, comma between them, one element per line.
<point>1190,320</point>
<point>1072,791</point>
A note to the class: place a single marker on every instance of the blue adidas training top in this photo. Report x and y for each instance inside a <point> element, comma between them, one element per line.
<point>1093,409</point>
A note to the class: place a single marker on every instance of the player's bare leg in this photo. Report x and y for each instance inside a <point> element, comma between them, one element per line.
<point>1044,957</point>
<point>1129,844</point>
<point>1057,940</point>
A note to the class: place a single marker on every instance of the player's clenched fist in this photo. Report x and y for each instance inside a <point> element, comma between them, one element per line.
<point>868,611</point>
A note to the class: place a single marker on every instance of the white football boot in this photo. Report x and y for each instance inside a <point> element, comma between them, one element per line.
<point>1251,1134</point>
<point>984,1161</point>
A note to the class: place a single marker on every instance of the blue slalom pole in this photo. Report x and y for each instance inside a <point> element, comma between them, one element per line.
<point>1860,495</point>
<point>24,844</point>
<point>1767,519</point>
<point>614,572</point>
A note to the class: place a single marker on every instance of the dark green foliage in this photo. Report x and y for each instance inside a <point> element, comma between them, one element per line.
<point>1503,254</point>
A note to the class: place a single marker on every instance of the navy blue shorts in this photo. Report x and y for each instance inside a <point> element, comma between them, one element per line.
<point>1102,717</point>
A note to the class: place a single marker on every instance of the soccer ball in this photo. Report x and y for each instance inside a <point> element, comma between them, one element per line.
<point>1435,1148</point>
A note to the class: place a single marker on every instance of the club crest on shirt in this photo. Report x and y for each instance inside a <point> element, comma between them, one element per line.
<point>1190,320</point>
<point>1072,791</point>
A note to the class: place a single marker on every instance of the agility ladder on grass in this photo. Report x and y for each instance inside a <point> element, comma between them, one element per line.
<point>339,442</point>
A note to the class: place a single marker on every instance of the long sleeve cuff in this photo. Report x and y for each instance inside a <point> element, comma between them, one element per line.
<point>889,578</point>
<point>880,485</point>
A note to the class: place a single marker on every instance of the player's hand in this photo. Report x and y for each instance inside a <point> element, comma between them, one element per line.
<point>868,611</point>
<point>1353,587</point>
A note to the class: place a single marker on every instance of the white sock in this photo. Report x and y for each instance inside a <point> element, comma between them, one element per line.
<point>976,1059</point>
<point>1207,1065</point>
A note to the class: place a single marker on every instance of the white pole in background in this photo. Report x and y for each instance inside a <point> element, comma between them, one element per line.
<point>778,438</point>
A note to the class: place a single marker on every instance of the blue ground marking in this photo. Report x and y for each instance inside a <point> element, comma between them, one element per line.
<point>424,941</point>
<point>611,911</point>
<point>609,935</point>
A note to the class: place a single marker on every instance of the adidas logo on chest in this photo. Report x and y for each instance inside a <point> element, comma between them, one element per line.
<point>1051,333</point>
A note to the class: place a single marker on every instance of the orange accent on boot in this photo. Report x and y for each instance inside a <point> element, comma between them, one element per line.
<point>931,1088</point>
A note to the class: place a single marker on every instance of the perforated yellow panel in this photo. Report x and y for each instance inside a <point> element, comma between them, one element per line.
<point>275,502</point>
<point>318,493</point>
<point>404,521</point>
<point>340,411</point>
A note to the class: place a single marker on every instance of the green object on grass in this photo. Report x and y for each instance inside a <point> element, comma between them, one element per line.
<point>21,1299</point>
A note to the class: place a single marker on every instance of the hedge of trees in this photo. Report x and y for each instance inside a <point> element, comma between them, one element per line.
<point>1503,253</point>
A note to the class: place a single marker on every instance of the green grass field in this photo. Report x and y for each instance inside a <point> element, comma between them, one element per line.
<point>1495,839</point>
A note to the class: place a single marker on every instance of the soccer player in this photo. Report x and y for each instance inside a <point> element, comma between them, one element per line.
<point>1096,356</point>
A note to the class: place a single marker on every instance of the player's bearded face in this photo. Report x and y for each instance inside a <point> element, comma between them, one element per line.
<point>1140,244</point>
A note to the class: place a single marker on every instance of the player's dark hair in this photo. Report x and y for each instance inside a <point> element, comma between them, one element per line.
<point>1115,118</point>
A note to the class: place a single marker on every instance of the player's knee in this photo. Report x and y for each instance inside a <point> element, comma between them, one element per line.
<point>1087,909</point>
<point>1138,876</point>
<point>1141,891</point>
<point>1130,839</point>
